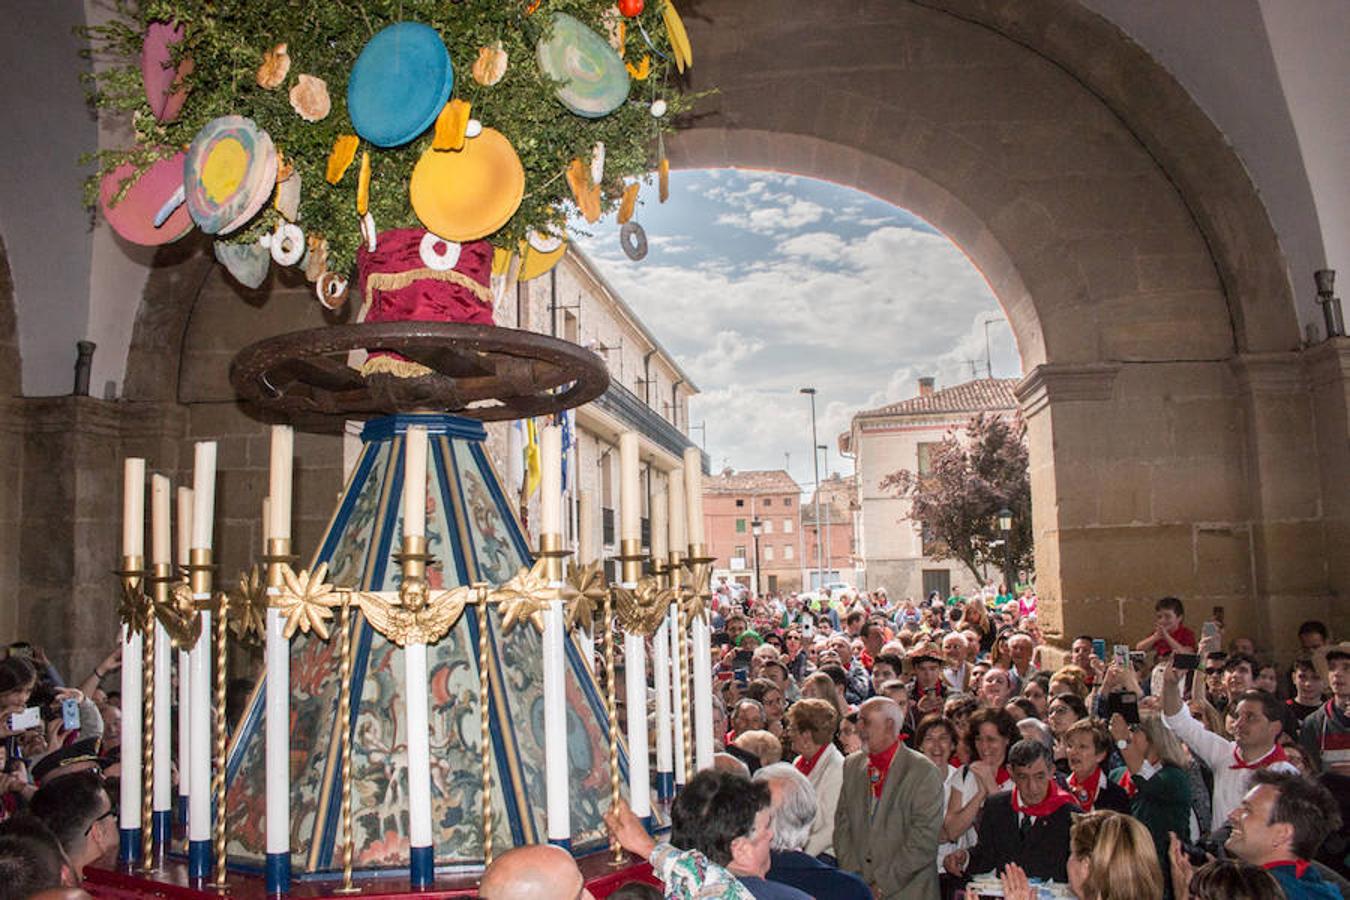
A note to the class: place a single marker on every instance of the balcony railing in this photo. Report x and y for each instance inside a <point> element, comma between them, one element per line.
<point>622,403</point>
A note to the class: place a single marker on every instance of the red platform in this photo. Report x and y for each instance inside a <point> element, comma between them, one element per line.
<point>171,882</point>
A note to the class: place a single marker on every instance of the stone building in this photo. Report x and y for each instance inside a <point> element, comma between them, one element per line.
<point>733,502</point>
<point>830,555</point>
<point>648,393</point>
<point>900,436</point>
<point>1148,189</point>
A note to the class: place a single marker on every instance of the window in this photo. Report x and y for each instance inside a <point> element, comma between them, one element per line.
<point>768,526</point>
<point>740,504</point>
<point>740,552</point>
<point>787,526</point>
<point>926,451</point>
<point>740,525</point>
<point>768,501</point>
<point>768,553</point>
<point>787,551</point>
<point>787,501</point>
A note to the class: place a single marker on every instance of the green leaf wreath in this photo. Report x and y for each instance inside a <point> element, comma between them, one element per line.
<point>226,41</point>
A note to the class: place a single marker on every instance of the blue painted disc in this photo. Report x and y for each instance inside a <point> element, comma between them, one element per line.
<point>400,83</point>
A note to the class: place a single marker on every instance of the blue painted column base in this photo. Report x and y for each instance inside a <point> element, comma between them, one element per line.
<point>647,824</point>
<point>199,860</point>
<point>421,866</point>
<point>183,810</point>
<point>665,785</point>
<point>128,845</point>
<point>161,826</point>
<point>565,843</point>
<point>278,873</point>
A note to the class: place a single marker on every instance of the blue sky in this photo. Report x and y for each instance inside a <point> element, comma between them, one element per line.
<point>760,283</point>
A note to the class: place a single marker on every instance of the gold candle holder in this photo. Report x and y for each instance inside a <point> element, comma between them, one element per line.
<point>132,573</point>
<point>344,719</point>
<point>612,709</point>
<point>686,663</point>
<point>630,559</point>
<point>485,736</point>
<point>278,555</point>
<point>551,549</point>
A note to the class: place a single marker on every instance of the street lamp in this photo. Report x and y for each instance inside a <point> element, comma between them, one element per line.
<point>815,463</point>
<point>1005,523</point>
<point>829,544</point>
<point>756,528</point>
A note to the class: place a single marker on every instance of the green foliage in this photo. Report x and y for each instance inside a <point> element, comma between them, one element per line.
<point>226,40</point>
<point>956,504</point>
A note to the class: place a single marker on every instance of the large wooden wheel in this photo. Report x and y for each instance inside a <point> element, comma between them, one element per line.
<point>480,371</point>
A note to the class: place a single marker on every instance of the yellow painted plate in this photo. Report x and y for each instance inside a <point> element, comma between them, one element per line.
<point>463,195</point>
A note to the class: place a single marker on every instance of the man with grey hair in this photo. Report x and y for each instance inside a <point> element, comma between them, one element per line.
<point>890,809</point>
<point>792,807</point>
<point>1036,730</point>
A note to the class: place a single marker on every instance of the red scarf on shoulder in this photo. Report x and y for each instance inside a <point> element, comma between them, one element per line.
<point>878,765</point>
<point>1275,755</point>
<point>1086,791</point>
<point>805,765</point>
<point>1055,797</point>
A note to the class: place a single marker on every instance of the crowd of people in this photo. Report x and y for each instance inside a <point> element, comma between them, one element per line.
<point>933,748</point>
<point>873,749</point>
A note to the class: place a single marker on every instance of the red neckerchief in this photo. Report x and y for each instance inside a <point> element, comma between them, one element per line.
<point>1087,791</point>
<point>1300,865</point>
<point>805,765</point>
<point>1275,755</point>
<point>1127,782</point>
<point>1002,775</point>
<point>1055,797</point>
<point>878,765</point>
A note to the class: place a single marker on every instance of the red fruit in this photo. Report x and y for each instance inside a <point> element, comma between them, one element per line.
<point>631,8</point>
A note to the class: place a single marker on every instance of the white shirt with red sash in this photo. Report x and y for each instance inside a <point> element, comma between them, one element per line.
<point>1232,773</point>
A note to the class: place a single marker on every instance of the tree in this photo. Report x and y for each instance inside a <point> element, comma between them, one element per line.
<point>956,503</point>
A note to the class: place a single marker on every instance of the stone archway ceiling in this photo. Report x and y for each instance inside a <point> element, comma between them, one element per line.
<point>829,93</point>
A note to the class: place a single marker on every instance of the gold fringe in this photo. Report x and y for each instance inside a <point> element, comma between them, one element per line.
<point>389,365</point>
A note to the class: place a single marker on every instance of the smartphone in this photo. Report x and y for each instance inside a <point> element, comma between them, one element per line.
<point>742,675</point>
<point>28,719</point>
<point>1120,654</point>
<point>70,714</point>
<point>1126,703</point>
<point>1186,661</point>
<point>1099,648</point>
<point>724,675</point>
<point>22,650</point>
<point>1217,615</point>
<point>742,658</point>
<point>1138,656</point>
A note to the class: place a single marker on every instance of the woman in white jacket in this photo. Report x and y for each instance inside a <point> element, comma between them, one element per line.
<point>811,728</point>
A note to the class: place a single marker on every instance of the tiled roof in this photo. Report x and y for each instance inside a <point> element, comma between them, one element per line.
<point>972,396</point>
<point>761,481</point>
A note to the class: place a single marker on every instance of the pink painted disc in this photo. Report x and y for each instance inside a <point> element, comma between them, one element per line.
<point>133,217</point>
<point>157,71</point>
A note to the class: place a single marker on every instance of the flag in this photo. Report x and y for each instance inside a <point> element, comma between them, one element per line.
<point>532,475</point>
<point>565,420</point>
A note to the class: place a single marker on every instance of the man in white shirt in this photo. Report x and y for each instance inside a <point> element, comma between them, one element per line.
<point>957,671</point>
<point>1256,727</point>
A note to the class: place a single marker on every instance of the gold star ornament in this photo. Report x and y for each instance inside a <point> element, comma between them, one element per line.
<point>525,596</point>
<point>307,601</point>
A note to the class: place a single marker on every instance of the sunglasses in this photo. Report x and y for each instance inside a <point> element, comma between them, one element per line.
<point>1218,671</point>
<point>107,815</point>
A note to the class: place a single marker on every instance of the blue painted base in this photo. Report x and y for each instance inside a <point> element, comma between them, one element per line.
<point>647,824</point>
<point>199,860</point>
<point>665,785</point>
<point>565,843</point>
<point>161,826</point>
<point>129,845</point>
<point>182,810</point>
<point>278,873</point>
<point>421,866</point>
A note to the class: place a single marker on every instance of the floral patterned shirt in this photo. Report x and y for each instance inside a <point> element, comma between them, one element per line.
<point>689,875</point>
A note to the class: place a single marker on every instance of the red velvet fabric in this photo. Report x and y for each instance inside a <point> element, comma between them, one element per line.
<point>425,300</point>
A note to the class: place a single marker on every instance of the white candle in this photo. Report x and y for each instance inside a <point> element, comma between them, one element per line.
<point>550,480</point>
<point>585,528</point>
<point>278,523</point>
<point>203,494</point>
<point>277,734</point>
<point>557,766</point>
<point>130,787</point>
<point>419,751</point>
<point>161,503</point>
<point>639,764</point>
<point>630,499</point>
<point>675,513</point>
<point>184,657</point>
<point>133,507</point>
<point>161,553</point>
<point>677,692</point>
<point>693,494</point>
<point>199,721</point>
<point>660,529</point>
<point>661,671</point>
<point>703,720</point>
<point>415,484</point>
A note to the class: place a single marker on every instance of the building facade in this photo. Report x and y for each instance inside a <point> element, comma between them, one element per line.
<point>831,545</point>
<point>733,502</point>
<point>900,436</point>
<point>648,394</point>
